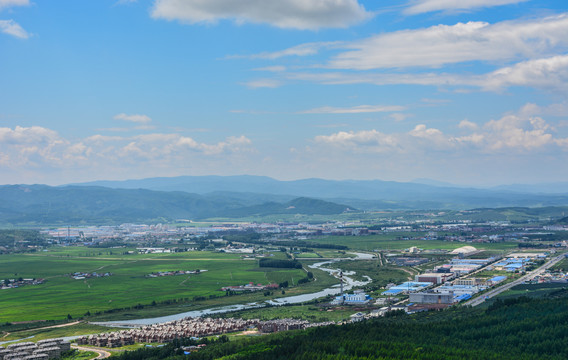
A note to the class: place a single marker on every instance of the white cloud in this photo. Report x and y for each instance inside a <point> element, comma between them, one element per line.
<point>276,68</point>
<point>463,42</point>
<point>548,73</point>
<point>294,14</point>
<point>306,49</point>
<point>424,6</point>
<point>361,141</point>
<point>41,147</point>
<point>136,118</point>
<point>263,83</point>
<point>398,117</point>
<point>353,110</point>
<point>468,125</point>
<point>10,27</point>
<point>10,3</point>
<point>513,133</point>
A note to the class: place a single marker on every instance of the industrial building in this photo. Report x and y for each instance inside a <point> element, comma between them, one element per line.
<point>431,298</point>
<point>407,287</point>
<point>358,298</point>
<point>435,278</point>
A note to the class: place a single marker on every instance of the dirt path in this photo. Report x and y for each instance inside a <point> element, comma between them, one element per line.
<point>103,354</point>
<point>410,273</point>
<point>54,326</point>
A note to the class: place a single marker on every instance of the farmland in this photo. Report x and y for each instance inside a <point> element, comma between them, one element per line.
<point>401,241</point>
<point>128,285</point>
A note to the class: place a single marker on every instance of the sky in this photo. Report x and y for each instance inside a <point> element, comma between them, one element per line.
<point>470,92</point>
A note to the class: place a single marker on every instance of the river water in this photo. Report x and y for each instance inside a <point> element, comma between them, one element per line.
<point>348,283</point>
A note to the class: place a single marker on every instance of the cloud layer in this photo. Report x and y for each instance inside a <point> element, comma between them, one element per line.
<point>425,6</point>
<point>294,14</point>
<point>513,133</point>
<point>39,147</point>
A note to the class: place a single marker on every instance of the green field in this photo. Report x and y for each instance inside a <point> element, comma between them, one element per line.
<point>308,312</point>
<point>56,332</point>
<point>396,241</point>
<point>129,285</point>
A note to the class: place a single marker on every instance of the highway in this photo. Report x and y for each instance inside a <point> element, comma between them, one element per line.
<point>491,293</point>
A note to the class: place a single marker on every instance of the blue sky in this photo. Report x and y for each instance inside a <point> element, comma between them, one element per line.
<point>468,92</point>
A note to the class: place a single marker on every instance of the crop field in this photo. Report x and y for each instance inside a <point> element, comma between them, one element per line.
<point>307,255</point>
<point>61,295</point>
<point>381,275</point>
<point>308,312</point>
<point>396,241</point>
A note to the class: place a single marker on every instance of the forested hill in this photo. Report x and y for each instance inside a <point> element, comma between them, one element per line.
<point>517,329</point>
<point>40,204</point>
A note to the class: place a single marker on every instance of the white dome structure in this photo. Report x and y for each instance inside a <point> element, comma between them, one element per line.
<point>464,250</point>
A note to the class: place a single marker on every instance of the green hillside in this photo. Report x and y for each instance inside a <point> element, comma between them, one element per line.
<point>40,204</point>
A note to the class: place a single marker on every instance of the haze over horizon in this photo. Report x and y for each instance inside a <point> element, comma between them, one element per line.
<point>470,92</point>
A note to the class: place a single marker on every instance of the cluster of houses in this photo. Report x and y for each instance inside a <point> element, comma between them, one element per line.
<point>174,273</point>
<point>15,283</point>
<point>42,350</point>
<point>191,328</point>
<point>85,275</point>
<point>164,332</point>
<point>277,325</point>
<point>250,287</point>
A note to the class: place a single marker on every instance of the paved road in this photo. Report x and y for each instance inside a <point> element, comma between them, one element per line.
<point>491,293</point>
<point>103,354</point>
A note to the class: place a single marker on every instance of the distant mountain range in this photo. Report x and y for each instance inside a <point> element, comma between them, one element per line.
<point>202,197</point>
<point>361,194</point>
<point>41,204</point>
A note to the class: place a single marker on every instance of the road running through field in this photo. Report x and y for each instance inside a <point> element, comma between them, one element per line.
<point>491,293</point>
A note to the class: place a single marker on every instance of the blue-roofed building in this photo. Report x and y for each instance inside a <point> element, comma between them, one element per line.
<point>496,280</point>
<point>462,297</point>
<point>407,287</point>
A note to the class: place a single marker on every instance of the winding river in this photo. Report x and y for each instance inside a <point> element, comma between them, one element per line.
<point>348,281</point>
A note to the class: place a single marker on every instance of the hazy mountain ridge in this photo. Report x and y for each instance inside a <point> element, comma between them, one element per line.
<point>90,204</point>
<point>362,194</point>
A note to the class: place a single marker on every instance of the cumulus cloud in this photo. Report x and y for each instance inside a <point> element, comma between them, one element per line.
<point>463,42</point>
<point>353,110</point>
<point>39,146</point>
<point>10,3</point>
<point>424,6</point>
<point>292,14</point>
<point>547,73</point>
<point>10,27</point>
<point>136,118</point>
<point>468,125</point>
<point>518,132</point>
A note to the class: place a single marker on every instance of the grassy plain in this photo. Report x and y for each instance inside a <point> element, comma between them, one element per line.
<point>397,241</point>
<point>56,332</point>
<point>128,286</point>
<point>309,312</point>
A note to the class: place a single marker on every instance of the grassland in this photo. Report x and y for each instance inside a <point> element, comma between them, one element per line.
<point>61,295</point>
<point>398,241</point>
<point>56,332</point>
<point>309,312</point>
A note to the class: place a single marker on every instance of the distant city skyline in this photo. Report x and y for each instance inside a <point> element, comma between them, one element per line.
<point>469,92</point>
